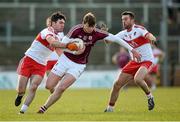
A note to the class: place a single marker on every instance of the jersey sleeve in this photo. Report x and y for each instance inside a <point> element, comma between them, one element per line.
<point>101,34</point>
<point>44,33</point>
<point>113,38</point>
<point>120,35</point>
<point>143,31</point>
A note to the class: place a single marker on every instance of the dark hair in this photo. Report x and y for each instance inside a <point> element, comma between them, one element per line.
<point>90,19</point>
<point>131,14</point>
<point>57,15</point>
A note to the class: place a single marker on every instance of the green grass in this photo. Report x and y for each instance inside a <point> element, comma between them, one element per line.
<point>89,104</point>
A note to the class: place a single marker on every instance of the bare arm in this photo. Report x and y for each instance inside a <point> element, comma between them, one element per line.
<point>151,37</point>
<point>112,38</point>
<point>55,43</point>
<point>121,42</point>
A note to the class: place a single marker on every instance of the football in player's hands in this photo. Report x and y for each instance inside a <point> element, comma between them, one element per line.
<point>81,46</point>
<point>72,46</point>
<point>76,45</point>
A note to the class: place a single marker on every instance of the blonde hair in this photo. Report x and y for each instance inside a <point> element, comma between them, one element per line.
<point>90,19</point>
<point>48,22</point>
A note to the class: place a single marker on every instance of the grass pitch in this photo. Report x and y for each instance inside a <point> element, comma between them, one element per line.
<point>89,104</point>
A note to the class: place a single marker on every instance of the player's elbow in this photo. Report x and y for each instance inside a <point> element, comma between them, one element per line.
<point>151,37</point>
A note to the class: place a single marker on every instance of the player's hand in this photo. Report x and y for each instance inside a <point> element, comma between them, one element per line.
<point>72,46</point>
<point>136,55</point>
<point>154,43</point>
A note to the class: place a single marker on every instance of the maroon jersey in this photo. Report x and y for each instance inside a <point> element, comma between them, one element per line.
<point>89,40</point>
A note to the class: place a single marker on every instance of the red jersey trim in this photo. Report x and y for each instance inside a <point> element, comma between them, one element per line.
<point>44,41</point>
<point>137,42</point>
<point>146,34</point>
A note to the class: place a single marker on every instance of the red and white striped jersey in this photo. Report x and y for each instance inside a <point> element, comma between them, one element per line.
<point>136,38</point>
<point>54,56</point>
<point>40,49</point>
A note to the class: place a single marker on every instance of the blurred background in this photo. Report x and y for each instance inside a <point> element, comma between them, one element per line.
<point>22,20</point>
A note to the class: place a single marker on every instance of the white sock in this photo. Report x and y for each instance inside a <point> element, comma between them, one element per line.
<point>149,95</point>
<point>24,108</point>
<point>110,107</point>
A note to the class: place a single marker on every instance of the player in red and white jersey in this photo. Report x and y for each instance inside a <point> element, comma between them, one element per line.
<point>33,65</point>
<point>140,39</point>
<point>53,58</point>
<point>69,66</point>
<point>136,38</point>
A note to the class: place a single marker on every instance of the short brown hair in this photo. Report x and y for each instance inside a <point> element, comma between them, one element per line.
<point>131,14</point>
<point>90,19</point>
<point>57,15</point>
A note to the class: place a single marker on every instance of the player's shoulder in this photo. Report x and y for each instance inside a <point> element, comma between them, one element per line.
<point>47,30</point>
<point>139,27</point>
<point>121,33</point>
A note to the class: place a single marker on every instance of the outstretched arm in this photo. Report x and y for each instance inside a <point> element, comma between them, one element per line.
<point>113,38</point>
<point>66,43</point>
<point>121,42</point>
<point>55,43</point>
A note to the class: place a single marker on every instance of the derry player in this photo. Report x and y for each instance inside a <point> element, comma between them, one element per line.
<point>140,39</point>
<point>52,59</point>
<point>32,66</point>
<point>69,66</point>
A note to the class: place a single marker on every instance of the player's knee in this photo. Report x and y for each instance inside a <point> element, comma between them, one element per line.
<point>33,87</point>
<point>117,85</point>
<point>61,89</point>
<point>138,80</point>
<point>49,87</point>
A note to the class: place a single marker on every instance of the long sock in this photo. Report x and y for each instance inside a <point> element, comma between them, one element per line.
<point>43,108</point>
<point>24,108</point>
<point>110,107</point>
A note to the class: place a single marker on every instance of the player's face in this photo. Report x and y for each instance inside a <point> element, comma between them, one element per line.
<point>58,25</point>
<point>87,28</point>
<point>127,21</point>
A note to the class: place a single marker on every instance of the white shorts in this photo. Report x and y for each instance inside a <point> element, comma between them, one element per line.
<point>65,65</point>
